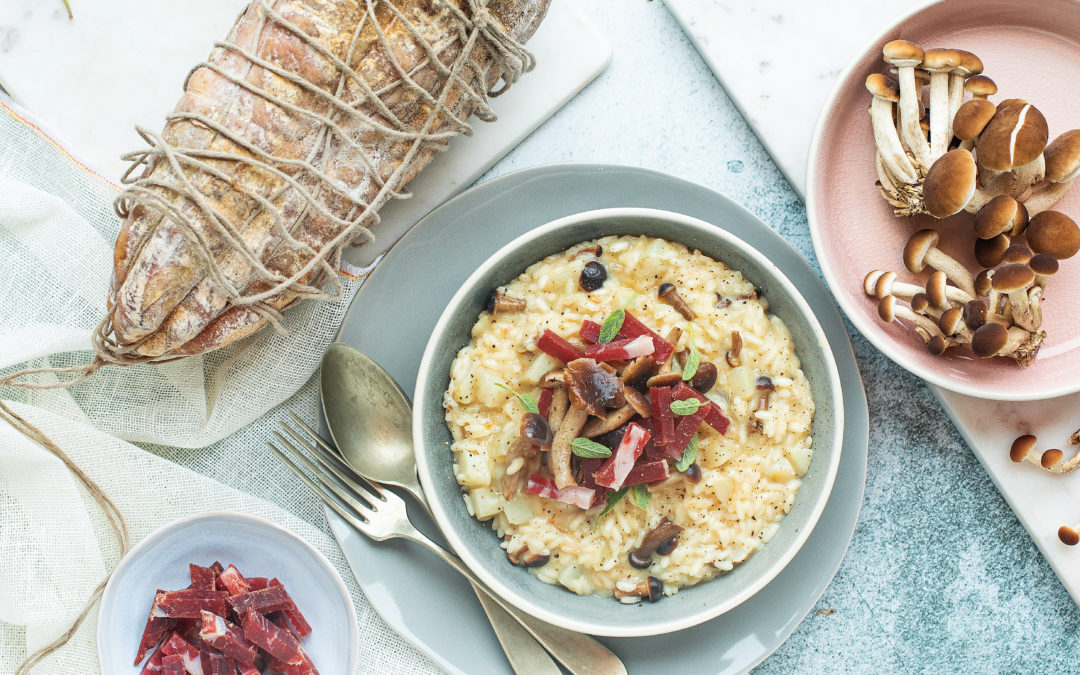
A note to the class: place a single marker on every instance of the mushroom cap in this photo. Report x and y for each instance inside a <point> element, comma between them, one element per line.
<point>1012,277</point>
<point>886,309</point>
<point>1021,447</point>
<point>940,60</point>
<point>870,282</point>
<point>936,345</point>
<point>1002,214</point>
<point>884,284</point>
<point>1050,458</point>
<point>951,321</point>
<point>972,117</point>
<point>1068,535</point>
<point>975,313</point>
<point>989,339</point>
<point>919,302</point>
<point>1043,264</point>
<point>980,85</point>
<point>1055,233</point>
<point>991,252</point>
<point>950,183</point>
<point>1016,253</point>
<point>1014,137</point>
<point>917,247</point>
<point>882,86</point>
<point>983,283</point>
<point>969,63</point>
<point>902,53</point>
<point>1063,157</point>
<point>936,289</point>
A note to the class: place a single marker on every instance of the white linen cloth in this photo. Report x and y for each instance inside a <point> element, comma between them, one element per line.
<point>57,226</point>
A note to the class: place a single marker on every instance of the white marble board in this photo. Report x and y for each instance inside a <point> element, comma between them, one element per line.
<point>778,60</point>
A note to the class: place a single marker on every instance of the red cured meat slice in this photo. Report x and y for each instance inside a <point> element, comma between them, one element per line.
<point>152,633</point>
<point>202,578</point>
<point>247,670</point>
<point>621,350</point>
<point>172,665</point>
<point>633,328</point>
<point>153,664</point>
<point>589,466</point>
<point>275,641</point>
<point>189,604</point>
<point>647,472</point>
<point>614,471</point>
<point>553,345</point>
<point>215,664</point>
<point>270,599</point>
<point>663,420</point>
<point>544,404</point>
<point>227,638</point>
<point>299,623</point>
<point>684,431</point>
<point>234,582</point>
<point>187,651</point>
<point>258,583</point>
<point>303,667</point>
<point>590,331</point>
<point>545,487</point>
<point>714,417</point>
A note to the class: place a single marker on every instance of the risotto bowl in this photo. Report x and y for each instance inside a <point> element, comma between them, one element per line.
<point>479,546</point>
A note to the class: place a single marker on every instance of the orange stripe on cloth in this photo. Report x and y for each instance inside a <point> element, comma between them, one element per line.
<point>51,141</point>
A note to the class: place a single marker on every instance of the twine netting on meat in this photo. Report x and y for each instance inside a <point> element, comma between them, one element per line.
<point>451,79</point>
<point>467,67</point>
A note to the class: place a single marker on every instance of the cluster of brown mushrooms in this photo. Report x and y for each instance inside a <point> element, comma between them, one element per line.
<point>1023,449</point>
<point>985,159</point>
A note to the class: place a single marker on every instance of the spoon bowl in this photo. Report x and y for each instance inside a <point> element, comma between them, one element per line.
<point>370,418</point>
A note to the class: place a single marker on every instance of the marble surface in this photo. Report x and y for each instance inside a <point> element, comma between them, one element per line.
<point>940,575</point>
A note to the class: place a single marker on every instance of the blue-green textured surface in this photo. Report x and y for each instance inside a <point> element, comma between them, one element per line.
<point>940,575</point>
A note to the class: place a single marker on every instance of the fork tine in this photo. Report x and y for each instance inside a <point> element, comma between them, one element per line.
<point>315,436</point>
<point>357,501</point>
<point>356,520</point>
<point>341,471</point>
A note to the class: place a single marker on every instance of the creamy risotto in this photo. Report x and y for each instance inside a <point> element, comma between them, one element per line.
<point>630,418</point>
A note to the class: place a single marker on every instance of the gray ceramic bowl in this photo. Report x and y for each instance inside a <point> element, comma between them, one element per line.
<point>476,543</point>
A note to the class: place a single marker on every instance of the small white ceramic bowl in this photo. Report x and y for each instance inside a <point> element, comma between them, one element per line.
<point>476,543</point>
<point>258,548</point>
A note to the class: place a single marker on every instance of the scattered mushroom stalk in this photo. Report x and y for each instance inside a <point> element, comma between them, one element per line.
<point>885,93</point>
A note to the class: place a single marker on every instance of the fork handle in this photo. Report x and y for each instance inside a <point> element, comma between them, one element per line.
<point>577,652</point>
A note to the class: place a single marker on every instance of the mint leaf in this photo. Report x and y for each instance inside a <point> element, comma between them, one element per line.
<point>584,447</point>
<point>687,407</point>
<point>527,402</point>
<point>642,496</point>
<point>692,361</point>
<point>613,498</point>
<point>611,326</point>
<point>689,455</point>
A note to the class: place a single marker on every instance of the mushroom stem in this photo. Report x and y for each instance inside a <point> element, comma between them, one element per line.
<point>910,130</point>
<point>1043,197</point>
<point>921,250</point>
<point>1034,298</point>
<point>939,62</point>
<point>885,136</point>
<point>889,310</point>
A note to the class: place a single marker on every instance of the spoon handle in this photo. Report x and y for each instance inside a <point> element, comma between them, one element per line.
<point>524,653</point>
<point>579,653</point>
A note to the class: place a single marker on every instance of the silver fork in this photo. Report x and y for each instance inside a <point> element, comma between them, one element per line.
<point>380,514</point>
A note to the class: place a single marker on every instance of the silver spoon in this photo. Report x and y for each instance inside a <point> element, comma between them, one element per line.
<point>370,422</point>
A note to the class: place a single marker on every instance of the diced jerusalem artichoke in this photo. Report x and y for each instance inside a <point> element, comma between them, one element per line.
<point>540,366</point>
<point>487,390</point>
<point>486,503</point>
<point>799,457</point>
<point>472,470</point>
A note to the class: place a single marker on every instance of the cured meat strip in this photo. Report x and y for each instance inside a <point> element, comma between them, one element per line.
<point>172,665</point>
<point>167,300</point>
<point>234,582</point>
<point>189,604</point>
<point>153,664</point>
<point>227,639</point>
<point>299,623</point>
<point>215,664</point>
<point>270,599</point>
<point>274,640</point>
<point>152,633</point>
<point>202,578</point>
<point>188,652</point>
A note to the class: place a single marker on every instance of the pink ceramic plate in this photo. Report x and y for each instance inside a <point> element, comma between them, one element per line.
<point>1031,50</point>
